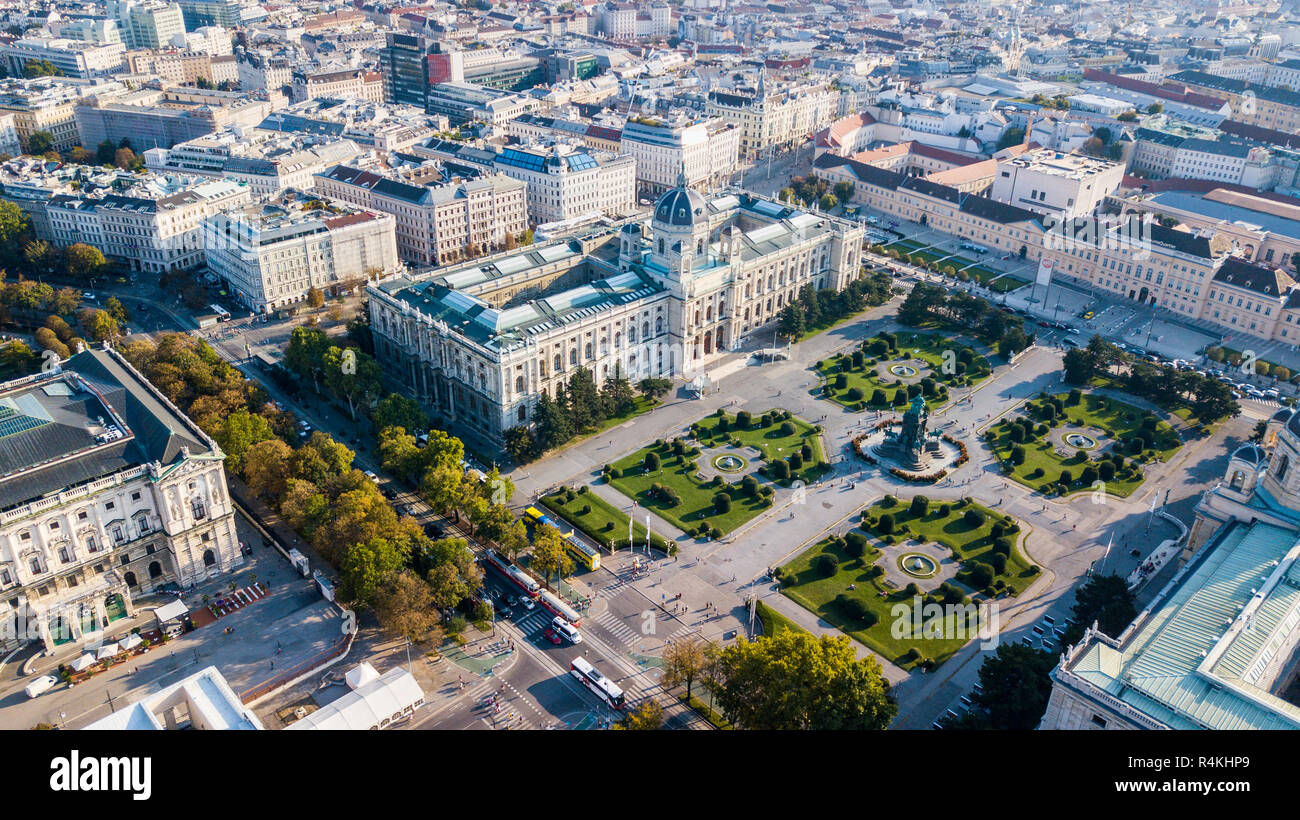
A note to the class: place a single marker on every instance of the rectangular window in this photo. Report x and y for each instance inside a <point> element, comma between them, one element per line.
<point>1098,720</point>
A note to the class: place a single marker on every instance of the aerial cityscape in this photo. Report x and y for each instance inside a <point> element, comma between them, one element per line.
<point>666,365</point>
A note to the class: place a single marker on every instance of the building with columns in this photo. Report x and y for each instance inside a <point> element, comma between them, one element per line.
<point>109,492</point>
<point>479,343</point>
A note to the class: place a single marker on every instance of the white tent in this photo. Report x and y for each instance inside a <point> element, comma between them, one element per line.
<point>109,650</point>
<point>390,698</point>
<point>170,612</point>
<point>130,641</point>
<point>360,674</point>
<point>83,662</point>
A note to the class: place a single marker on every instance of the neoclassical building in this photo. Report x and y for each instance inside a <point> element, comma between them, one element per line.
<point>107,491</point>
<point>479,343</point>
<point>1219,646</point>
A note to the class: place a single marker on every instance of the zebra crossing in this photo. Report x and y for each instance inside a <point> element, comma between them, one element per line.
<point>615,626</point>
<point>534,623</point>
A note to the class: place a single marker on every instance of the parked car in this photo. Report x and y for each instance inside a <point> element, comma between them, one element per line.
<point>40,685</point>
<point>551,635</point>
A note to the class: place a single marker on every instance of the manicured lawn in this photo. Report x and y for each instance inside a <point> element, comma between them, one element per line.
<point>774,623</point>
<point>827,596</point>
<point>644,404</point>
<point>1006,284</point>
<point>926,347</point>
<point>629,475</point>
<point>1043,464</point>
<point>970,544</point>
<point>604,522</point>
<point>769,440</point>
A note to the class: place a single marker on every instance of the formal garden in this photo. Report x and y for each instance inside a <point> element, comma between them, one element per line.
<point>890,369</point>
<point>603,522</point>
<point>1067,442</point>
<point>710,501</point>
<point>845,580</point>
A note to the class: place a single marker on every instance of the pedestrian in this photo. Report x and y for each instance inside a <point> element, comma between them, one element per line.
<point>272,664</point>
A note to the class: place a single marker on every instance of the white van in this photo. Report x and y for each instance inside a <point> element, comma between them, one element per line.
<point>566,629</point>
<point>41,685</point>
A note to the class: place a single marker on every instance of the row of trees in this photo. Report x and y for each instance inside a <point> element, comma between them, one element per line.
<point>959,310</point>
<point>578,407</point>
<point>347,372</point>
<point>789,681</point>
<point>411,581</point>
<point>814,189</point>
<point>816,308</point>
<point>1209,398</point>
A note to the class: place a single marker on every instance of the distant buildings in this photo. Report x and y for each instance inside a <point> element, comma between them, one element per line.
<point>160,118</point>
<point>73,58</point>
<point>268,162</point>
<point>272,253</point>
<point>563,182</point>
<point>1051,182</point>
<point>440,222</point>
<point>774,118</point>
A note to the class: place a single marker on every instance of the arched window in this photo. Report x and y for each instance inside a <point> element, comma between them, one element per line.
<point>559,363</point>
<point>645,329</point>
<point>519,384</point>
<point>155,570</point>
<point>522,413</point>
<point>659,325</point>
<point>708,313</point>
<point>618,340</point>
<point>1238,479</point>
<point>129,579</point>
<point>1282,464</point>
<point>699,247</point>
<point>587,352</point>
<point>209,559</point>
<point>573,356</point>
<point>197,507</point>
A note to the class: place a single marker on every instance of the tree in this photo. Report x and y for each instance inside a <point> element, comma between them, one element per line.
<point>399,411</point>
<point>1155,108</point>
<point>1010,137</point>
<point>266,468</point>
<point>1127,116</point>
<point>1104,599</point>
<point>237,433</point>
<point>791,322</point>
<point>552,423</point>
<point>1016,684</point>
<point>367,566</point>
<point>315,298</point>
<point>98,324</point>
<point>41,68</point>
<point>48,341</point>
<point>38,254</point>
<point>649,715</point>
<point>117,310</point>
<point>404,604</point>
<point>683,662</point>
<point>40,142</point>
<point>83,261</point>
<point>125,159</point>
<point>828,201</point>
<point>17,359</point>
<point>15,229</point>
<point>549,556</point>
<point>796,681</point>
<point>351,375</point>
<point>520,444</point>
<point>1012,342</point>
<point>654,387</point>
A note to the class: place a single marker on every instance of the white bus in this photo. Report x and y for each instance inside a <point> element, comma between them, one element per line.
<point>591,678</point>
<point>223,315</point>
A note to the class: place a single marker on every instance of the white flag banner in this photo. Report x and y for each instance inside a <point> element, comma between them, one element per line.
<point>1045,268</point>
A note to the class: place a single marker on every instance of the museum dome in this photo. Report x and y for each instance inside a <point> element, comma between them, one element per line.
<point>681,206</point>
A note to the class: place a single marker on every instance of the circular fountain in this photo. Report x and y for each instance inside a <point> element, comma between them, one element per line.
<point>729,463</point>
<point>918,565</point>
<point>905,371</point>
<point>1079,441</point>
